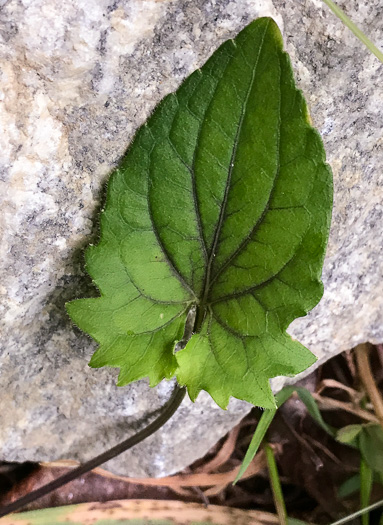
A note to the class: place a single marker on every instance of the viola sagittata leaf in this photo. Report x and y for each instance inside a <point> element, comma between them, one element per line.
<point>222,204</point>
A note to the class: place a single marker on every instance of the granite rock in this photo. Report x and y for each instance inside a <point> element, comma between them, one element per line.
<point>75,83</point>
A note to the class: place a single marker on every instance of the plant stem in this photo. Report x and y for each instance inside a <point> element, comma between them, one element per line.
<point>354,28</point>
<point>276,485</point>
<point>166,413</point>
<point>361,352</point>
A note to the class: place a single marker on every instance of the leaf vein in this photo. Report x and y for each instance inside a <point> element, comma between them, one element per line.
<point>218,228</point>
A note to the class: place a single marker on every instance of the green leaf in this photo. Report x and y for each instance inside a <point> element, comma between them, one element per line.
<point>348,434</point>
<point>350,486</point>
<point>222,203</point>
<point>371,446</point>
<point>313,409</point>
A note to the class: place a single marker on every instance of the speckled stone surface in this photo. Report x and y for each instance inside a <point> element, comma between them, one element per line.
<point>75,83</point>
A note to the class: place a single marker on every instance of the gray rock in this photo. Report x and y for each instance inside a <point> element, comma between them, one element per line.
<point>76,82</point>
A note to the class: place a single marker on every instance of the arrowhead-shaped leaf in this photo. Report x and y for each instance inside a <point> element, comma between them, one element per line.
<point>223,203</point>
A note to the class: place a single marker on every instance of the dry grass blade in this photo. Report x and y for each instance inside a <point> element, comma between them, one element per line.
<point>201,479</point>
<point>127,511</point>
<point>355,396</point>
<point>379,370</point>
<point>361,352</point>
<point>223,454</point>
<point>349,357</point>
<point>198,479</point>
<point>327,403</point>
<point>325,450</point>
<point>214,491</point>
<point>183,493</point>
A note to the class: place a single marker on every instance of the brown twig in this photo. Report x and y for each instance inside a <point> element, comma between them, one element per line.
<point>327,403</point>
<point>361,352</point>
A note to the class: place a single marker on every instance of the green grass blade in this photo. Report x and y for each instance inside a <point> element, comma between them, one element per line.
<point>366,479</point>
<point>354,28</point>
<point>259,434</point>
<point>276,485</point>
<point>312,407</point>
<point>262,427</point>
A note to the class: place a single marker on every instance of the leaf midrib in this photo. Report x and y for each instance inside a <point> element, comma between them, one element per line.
<point>207,278</point>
